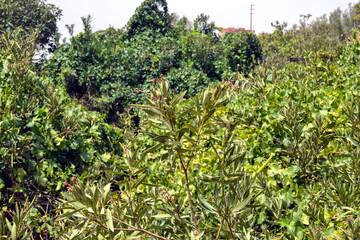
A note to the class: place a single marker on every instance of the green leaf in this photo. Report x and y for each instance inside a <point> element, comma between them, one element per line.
<point>27,236</point>
<point>13,231</point>
<point>162,139</point>
<point>206,98</point>
<point>182,150</point>
<point>65,215</point>
<point>198,236</point>
<point>190,139</point>
<point>21,174</point>
<point>139,181</point>
<point>216,192</point>
<point>181,133</point>
<point>354,142</point>
<point>209,178</point>
<point>263,166</point>
<point>179,98</point>
<point>191,127</point>
<point>117,173</point>
<point>2,183</point>
<point>109,222</point>
<point>305,219</point>
<point>66,230</point>
<point>8,224</point>
<point>185,113</point>
<point>153,113</point>
<point>240,206</point>
<point>211,131</point>
<point>156,121</point>
<point>221,103</point>
<point>106,157</point>
<point>95,199</point>
<point>206,205</point>
<point>162,216</point>
<point>150,150</point>
<point>106,190</point>
<point>140,171</point>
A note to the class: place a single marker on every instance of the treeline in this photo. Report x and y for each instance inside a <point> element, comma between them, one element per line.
<point>327,34</point>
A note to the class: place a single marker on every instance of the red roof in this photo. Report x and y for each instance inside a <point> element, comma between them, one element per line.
<point>231,29</point>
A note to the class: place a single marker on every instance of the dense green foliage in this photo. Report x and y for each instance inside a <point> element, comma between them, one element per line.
<point>45,137</point>
<point>151,17</point>
<point>31,15</point>
<point>210,160</point>
<point>271,153</point>
<point>325,35</point>
<point>103,69</point>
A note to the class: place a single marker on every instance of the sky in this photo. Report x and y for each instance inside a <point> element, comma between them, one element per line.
<point>225,13</point>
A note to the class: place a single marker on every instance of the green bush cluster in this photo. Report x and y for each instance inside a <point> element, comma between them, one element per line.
<point>278,158</point>
<point>45,137</point>
<point>103,69</point>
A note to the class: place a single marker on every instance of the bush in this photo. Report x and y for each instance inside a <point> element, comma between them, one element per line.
<point>103,75</point>
<point>241,51</point>
<point>186,78</point>
<point>45,137</point>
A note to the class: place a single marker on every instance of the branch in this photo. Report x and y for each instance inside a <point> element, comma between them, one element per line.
<point>221,225</point>
<point>137,229</point>
<point>230,229</point>
<point>189,194</point>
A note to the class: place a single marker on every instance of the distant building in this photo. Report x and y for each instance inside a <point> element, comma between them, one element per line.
<point>233,30</point>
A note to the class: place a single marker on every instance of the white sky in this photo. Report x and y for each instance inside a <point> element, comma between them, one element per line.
<point>225,13</point>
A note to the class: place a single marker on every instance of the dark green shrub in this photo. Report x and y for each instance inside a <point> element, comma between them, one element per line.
<point>241,51</point>
<point>201,53</point>
<point>187,78</point>
<point>151,16</point>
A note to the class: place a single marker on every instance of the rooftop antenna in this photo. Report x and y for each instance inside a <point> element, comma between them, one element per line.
<point>251,14</point>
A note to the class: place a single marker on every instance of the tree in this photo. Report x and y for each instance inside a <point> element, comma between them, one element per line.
<point>182,24</point>
<point>30,15</point>
<point>356,12</point>
<point>335,19</point>
<point>152,16</point>
<point>202,25</point>
<point>279,28</point>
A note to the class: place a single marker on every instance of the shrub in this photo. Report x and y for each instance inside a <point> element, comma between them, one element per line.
<point>45,137</point>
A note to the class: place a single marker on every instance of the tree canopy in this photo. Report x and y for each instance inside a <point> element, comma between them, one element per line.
<point>151,15</point>
<point>31,15</point>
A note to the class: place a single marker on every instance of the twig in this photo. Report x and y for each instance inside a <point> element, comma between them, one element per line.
<point>189,194</point>
<point>236,223</point>
<point>229,224</point>
<point>138,229</point>
<point>221,225</point>
<point>130,203</point>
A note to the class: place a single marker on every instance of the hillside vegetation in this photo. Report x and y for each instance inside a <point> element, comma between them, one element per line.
<point>164,130</point>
